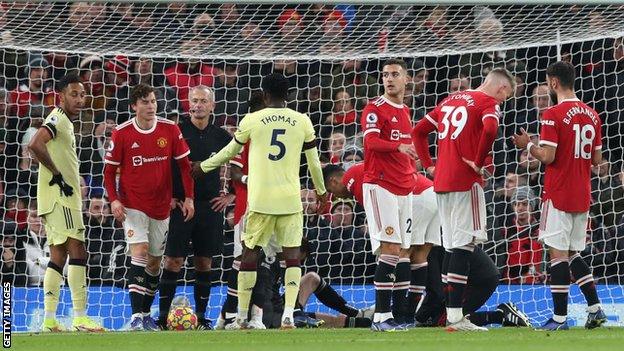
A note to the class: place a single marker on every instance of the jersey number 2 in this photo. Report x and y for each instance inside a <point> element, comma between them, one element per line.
<point>279,144</point>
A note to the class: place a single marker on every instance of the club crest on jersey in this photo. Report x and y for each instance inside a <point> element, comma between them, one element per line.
<point>371,118</point>
<point>395,134</point>
<point>130,233</point>
<point>389,231</point>
<point>161,142</point>
<point>53,120</point>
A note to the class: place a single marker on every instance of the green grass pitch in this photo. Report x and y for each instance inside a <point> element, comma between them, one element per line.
<point>504,339</point>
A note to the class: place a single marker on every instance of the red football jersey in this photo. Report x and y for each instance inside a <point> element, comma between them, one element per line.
<point>390,169</point>
<point>240,204</point>
<point>574,129</point>
<point>422,183</point>
<point>144,161</point>
<point>353,179</point>
<point>459,121</point>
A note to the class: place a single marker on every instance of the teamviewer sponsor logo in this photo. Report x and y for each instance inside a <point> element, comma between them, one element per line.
<point>140,160</point>
<point>7,305</point>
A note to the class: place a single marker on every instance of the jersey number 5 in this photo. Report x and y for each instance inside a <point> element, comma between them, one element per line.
<point>583,137</point>
<point>458,116</point>
<point>279,144</point>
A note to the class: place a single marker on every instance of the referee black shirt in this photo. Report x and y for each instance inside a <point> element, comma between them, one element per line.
<point>203,143</point>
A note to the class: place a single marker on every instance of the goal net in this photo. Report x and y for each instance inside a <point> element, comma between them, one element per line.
<point>331,55</point>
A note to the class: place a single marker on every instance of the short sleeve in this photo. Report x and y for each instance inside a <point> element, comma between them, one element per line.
<point>548,130</point>
<point>598,139</point>
<point>370,119</point>
<point>433,116</point>
<point>51,124</point>
<point>244,131</point>
<point>181,148</point>
<point>114,152</point>
<point>492,111</point>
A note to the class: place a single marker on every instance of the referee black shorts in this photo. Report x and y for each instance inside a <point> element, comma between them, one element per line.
<point>204,232</point>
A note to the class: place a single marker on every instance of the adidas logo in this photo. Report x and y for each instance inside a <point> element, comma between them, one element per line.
<point>49,293</point>
<point>394,119</point>
<point>291,283</point>
<point>135,145</point>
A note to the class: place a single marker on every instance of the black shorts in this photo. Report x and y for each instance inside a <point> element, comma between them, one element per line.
<point>204,232</point>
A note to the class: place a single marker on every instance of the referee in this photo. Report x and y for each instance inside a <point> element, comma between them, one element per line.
<point>204,232</point>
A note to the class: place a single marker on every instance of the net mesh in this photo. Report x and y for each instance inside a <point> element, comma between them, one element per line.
<point>332,57</point>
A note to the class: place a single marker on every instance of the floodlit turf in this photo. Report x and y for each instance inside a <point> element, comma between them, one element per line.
<point>504,339</point>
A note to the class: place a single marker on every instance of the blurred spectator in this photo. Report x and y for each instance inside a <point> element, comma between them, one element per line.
<point>334,27</point>
<point>489,31</point>
<point>61,63</point>
<point>290,27</point>
<point>607,195</point>
<point>204,30</point>
<point>351,156</point>
<point>91,150</point>
<point>13,263</point>
<point>36,247</point>
<point>28,167</point>
<point>35,97</point>
<point>415,96</point>
<point>525,255</point>
<point>118,75</point>
<point>175,21</point>
<point>613,115</point>
<point>188,73</point>
<point>529,168</point>
<point>353,79</point>
<point>231,94</point>
<point>309,102</point>
<point>335,147</point>
<point>105,243</point>
<point>344,118</point>
<point>92,75</point>
<point>311,218</point>
<point>540,101</point>
<point>165,95</point>
<point>85,17</point>
<point>503,195</point>
<point>460,82</point>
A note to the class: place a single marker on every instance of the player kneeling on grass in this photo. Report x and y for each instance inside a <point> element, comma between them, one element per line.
<point>142,149</point>
<point>277,135</point>
<point>59,204</point>
<point>483,279</point>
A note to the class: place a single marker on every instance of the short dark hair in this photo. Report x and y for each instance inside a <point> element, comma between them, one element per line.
<point>140,91</point>
<point>256,102</point>
<point>395,61</point>
<point>68,79</point>
<point>331,170</point>
<point>564,71</point>
<point>276,85</point>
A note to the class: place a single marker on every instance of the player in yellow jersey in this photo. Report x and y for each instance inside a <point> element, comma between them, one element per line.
<point>277,136</point>
<point>60,206</point>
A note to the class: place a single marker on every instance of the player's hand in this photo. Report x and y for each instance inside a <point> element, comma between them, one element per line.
<point>321,203</point>
<point>220,203</point>
<point>409,150</point>
<point>472,165</point>
<point>119,211</point>
<point>173,204</point>
<point>430,170</point>
<point>197,172</point>
<point>65,188</point>
<point>188,209</point>
<point>522,139</point>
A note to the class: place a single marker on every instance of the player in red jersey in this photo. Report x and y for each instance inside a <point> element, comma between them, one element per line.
<point>142,149</point>
<point>425,228</point>
<point>467,124</point>
<point>388,183</point>
<point>570,142</point>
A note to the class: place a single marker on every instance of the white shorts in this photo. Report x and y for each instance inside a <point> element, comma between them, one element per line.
<point>140,228</point>
<point>270,250</point>
<point>425,218</point>
<point>561,230</point>
<point>462,215</point>
<point>389,217</point>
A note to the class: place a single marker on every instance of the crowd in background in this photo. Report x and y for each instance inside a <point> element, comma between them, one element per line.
<point>332,93</point>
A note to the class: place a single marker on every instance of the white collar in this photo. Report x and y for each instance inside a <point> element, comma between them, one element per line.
<point>570,100</point>
<point>392,103</point>
<point>143,131</point>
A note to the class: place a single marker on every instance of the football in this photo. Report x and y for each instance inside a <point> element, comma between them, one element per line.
<point>181,318</point>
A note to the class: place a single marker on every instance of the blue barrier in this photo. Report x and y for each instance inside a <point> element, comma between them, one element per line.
<point>112,305</point>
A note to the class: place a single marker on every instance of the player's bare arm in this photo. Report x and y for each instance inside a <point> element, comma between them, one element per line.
<point>545,154</point>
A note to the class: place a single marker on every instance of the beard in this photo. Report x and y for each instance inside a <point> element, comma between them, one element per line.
<point>553,96</point>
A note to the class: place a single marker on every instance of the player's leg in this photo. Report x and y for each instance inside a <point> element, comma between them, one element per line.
<point>52,281</point>
<point>432,308</point>
<point>157,239</point>
<point>467,222</point>
<point>582,273</point>
<point>418,278</point>
<point>309,283</point>
<point>477,293</point>
<point>289,232</point>
<point>229,308</point>
<point>401,287</point>
<point>136,228</point>
<point>555,228</point>
<point>328,296</point>
<point>341,321</point>
<point>176,250</point>
<point>202,289</point>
